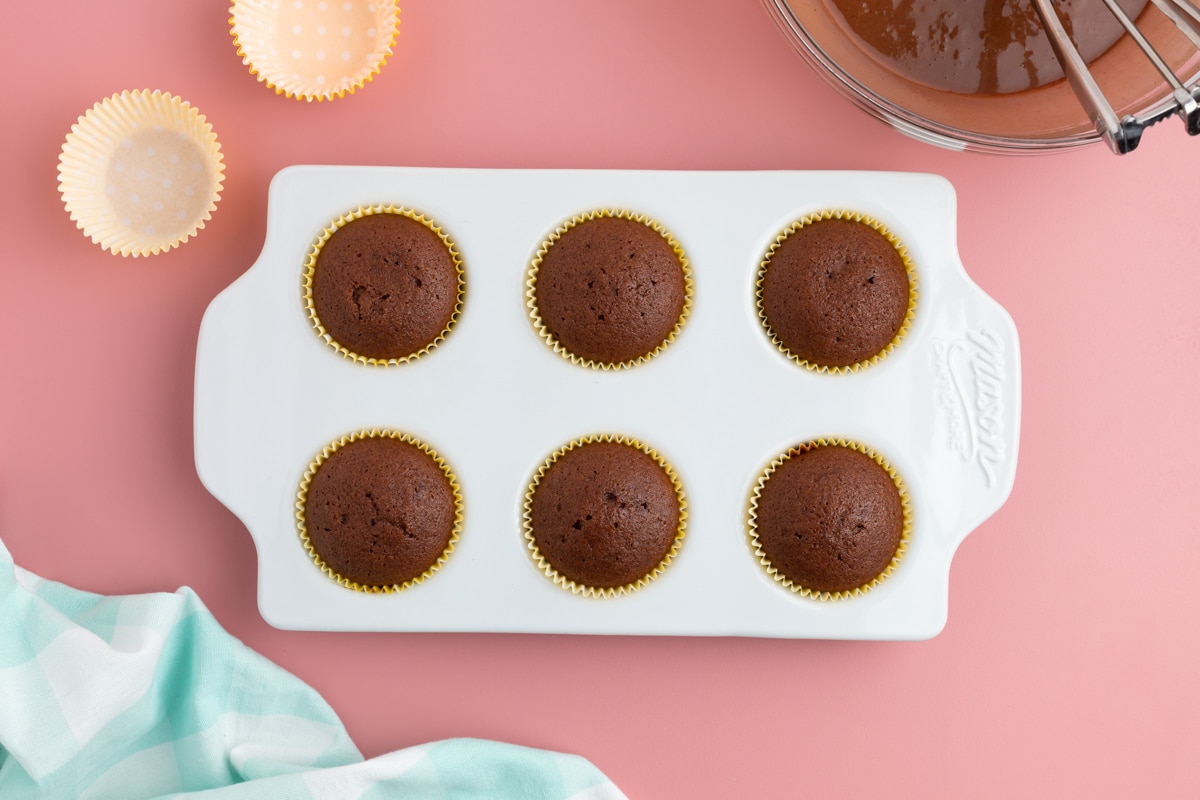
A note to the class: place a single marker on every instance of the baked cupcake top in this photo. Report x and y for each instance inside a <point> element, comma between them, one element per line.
<point>835,292</point>
<point>610,289</point>
<point>385,285</point>
<point>380,511</point>
<point>828,519</point>
<point>604,514</point>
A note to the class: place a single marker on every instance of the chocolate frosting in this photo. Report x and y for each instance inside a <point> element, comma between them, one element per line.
<point>976,46</point>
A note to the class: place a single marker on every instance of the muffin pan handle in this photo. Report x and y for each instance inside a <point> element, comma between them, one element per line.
<point>974,371</point>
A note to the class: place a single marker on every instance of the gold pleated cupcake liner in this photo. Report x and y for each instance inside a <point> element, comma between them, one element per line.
<point>310,269</point>
<point>596,591</point>
<point>140,172</point>
<point>310,50</point>
<point>909,268</point>
<point>788,583</point>
<point>302,497</point>
<point>531,287</point>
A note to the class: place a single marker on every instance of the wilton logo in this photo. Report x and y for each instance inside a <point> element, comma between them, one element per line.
<point>970,383</point>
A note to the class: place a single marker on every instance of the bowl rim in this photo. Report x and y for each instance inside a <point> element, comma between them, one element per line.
<point>920,127</point>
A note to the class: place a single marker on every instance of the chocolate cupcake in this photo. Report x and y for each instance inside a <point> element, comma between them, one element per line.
<point>604,516</point>
<point>836,291</point>
<point>609,289</point>
<point>829,519</point>
<point>379,511</point>
<point>383,285</point>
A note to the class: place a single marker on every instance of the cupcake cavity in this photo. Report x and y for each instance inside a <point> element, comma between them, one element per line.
<point>610,290</point>
<point>385,287</point>
<point>828,519</point>
<point>835,292</point>
<point>380,511</point>
<point>604,514</point>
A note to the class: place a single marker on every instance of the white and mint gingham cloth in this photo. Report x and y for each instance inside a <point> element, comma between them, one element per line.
<point>146,696</point>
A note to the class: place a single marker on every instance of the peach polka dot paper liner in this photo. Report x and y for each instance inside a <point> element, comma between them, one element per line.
<point>314,49</point>
<point>140,172</point>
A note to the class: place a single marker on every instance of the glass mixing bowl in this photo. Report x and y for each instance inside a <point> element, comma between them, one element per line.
<point>1043,119</point>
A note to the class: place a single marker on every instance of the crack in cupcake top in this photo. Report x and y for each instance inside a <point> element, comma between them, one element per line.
<point>384,285</point>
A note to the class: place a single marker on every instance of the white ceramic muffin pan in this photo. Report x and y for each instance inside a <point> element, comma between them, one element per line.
<point>719,403</point>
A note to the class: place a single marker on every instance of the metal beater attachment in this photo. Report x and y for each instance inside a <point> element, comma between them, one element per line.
<point>1123,134</point>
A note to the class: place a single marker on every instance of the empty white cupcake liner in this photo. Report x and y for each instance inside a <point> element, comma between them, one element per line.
<point>140,172</point>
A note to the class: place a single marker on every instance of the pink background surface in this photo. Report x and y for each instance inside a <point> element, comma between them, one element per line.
<point>1068,665</point>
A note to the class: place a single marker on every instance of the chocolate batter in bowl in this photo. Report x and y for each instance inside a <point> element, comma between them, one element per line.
<point>980,74</point>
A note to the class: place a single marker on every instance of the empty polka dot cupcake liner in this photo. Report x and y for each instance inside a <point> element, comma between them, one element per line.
<point>568,296</point>
<point>600,512</point>
<point>827,506</point>
<point>140,172</point>
<point>826,334</point>
<point>314,49</point>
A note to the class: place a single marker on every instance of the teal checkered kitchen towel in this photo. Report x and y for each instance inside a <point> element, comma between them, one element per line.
<point>146,696</point>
